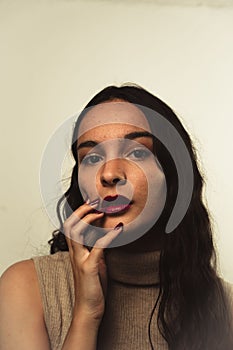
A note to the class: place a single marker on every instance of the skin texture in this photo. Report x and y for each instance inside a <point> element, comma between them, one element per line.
<point>121,166</point>
<point>20,303</point>
<point>21,312</point>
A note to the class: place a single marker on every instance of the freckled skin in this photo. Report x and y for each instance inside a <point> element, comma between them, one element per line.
<point>115,158</point>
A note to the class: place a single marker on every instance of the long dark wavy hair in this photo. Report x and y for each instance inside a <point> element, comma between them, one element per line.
<point>194,311</point>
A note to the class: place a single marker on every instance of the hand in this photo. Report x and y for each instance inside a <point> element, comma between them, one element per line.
<point>89,268</point>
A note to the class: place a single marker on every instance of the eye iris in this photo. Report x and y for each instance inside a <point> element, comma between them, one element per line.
<point>91,159</point>
<point>139,153</point>
<point>94,159</point>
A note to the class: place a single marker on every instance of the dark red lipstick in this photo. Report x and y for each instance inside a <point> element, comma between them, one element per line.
<point>115,204</point>
<point>111,198</point>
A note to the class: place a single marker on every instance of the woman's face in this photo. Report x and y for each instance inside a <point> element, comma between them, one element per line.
<point>117,166</point>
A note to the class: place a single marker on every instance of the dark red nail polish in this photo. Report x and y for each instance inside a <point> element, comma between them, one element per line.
<point>95,211</point>
<point>96,201</point>
<point>118,226</point>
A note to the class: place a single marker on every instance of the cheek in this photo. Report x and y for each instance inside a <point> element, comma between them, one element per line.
<point>156,185</point>
<point>150,175</point>
<point>87,184</point>
<point>139,183</point>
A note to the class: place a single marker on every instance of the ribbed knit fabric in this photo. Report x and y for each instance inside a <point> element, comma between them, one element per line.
<point>133,289</point>
<point>57,292</point>
<point>132,293</point>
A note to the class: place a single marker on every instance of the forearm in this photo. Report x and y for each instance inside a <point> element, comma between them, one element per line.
<point>82,335</point>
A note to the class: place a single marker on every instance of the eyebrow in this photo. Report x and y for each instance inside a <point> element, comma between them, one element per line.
<point>130,136</point>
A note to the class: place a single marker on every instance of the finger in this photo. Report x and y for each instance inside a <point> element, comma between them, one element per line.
<point>79,213</point>
<point>73,245</point>
<point>77,231</point>
<point>70,247</point>
<point>105,241</point>
<point>102,243</point>
<point>75,237</point>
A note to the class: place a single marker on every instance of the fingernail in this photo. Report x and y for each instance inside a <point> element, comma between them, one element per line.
<point>87,201</point>
<point>95,211</point>
<point>96,201</point>
<point>118,226</point>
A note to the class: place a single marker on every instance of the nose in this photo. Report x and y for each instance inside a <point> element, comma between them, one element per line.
<point>112,173</point>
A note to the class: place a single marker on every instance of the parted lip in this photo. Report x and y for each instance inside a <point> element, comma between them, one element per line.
<point>111,198</point>
<point>114,205</point>
<point>115,201</point>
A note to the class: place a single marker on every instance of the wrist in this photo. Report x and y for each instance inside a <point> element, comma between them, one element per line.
<point>82,334</point>
<point>86,321</point>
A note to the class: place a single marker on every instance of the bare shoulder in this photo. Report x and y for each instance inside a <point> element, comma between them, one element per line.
<point>21,307</point>
<point>20,281</point>
<point>20,272</point>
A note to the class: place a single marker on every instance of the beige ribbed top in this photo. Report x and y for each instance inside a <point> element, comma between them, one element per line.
<point>132,293</point>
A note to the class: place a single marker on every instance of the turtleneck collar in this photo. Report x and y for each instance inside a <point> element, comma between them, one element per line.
<point>133,268</point>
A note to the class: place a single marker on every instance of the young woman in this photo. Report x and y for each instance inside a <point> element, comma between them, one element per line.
<point>116,279</point>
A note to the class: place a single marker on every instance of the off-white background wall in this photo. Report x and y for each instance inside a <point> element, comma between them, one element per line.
<point>55,55</point>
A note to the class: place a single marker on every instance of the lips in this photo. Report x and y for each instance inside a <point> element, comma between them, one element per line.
<point>115,204</point>
<point>113,198</point>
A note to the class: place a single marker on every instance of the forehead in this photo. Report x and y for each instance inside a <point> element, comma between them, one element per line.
<point>106,117</point>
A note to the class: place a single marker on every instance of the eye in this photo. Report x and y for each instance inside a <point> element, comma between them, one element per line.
<point>139,154</point>
<point>91,159</point>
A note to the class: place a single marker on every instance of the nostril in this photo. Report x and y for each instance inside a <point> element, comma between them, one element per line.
<point>119,181</point>
<point>115,181</point>
<point>112,180</point>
